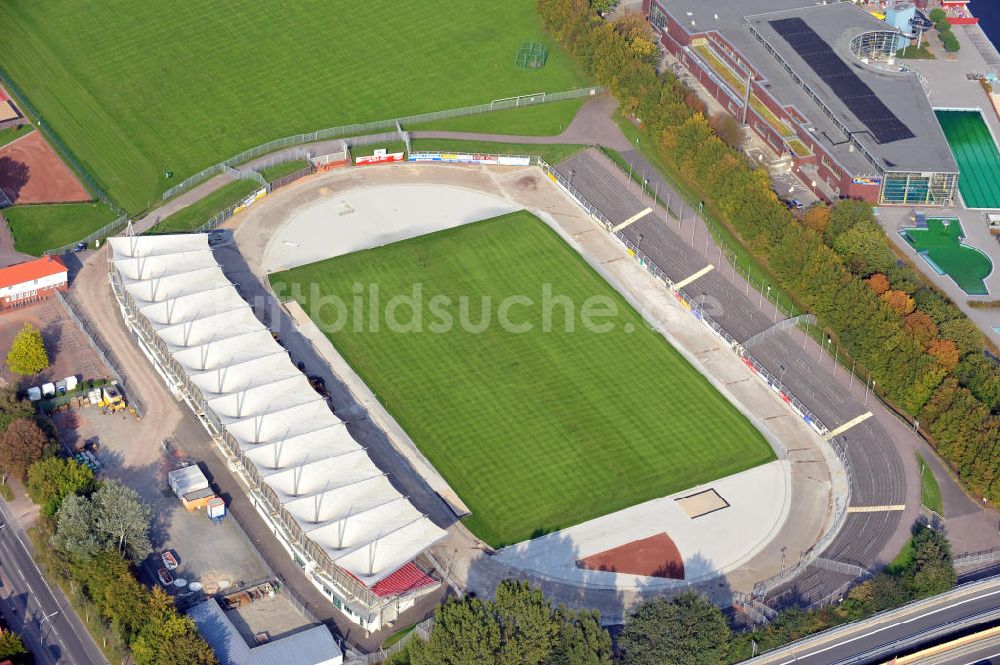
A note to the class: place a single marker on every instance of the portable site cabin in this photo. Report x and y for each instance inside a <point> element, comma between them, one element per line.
<point>187,479</point>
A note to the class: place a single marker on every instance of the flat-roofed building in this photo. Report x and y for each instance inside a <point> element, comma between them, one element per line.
<point>820,83</point>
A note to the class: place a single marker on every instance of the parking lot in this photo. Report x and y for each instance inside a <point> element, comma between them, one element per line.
<point>215,554</point>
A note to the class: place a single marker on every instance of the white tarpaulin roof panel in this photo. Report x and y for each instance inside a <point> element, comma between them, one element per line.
<point>283,394</point>
<point>257,372</point>
<point>136,246</point>
<point>322,475</point>
<point>300,449</point>
<point>285,453</point>
<point>211,328</point>
<point>225,352</point>
<point>283,424</point>
<point>161,266</point>
<point>385,552</point>
<point>157,289</point>
<point>191,307</point>
<point>341,502</point>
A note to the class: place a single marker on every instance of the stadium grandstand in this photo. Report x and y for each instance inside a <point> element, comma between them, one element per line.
<point>822,85</point>
<point>355,536</point>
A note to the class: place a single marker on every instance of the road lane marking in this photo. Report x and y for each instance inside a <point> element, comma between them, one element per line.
<point>867,633</point>
<point>848,425</point>
<point>687,280</point>
<point>632,220</point>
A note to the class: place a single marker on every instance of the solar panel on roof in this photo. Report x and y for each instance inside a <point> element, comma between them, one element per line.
<point>842,80</point>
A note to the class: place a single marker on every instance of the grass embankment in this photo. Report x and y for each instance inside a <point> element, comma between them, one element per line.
<point>215,98</point>
<point>37,228</point>
<point>546,427</point>
<point>278,171</point>
<point>930,491</point>
<point>199,212</point>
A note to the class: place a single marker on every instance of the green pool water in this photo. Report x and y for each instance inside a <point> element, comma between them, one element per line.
<point>977,157</point>
<point>940,245</point>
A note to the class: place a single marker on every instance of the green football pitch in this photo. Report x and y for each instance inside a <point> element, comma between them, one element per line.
<point>940,244</point>
<point>136,89</point>
<point>536,430</point>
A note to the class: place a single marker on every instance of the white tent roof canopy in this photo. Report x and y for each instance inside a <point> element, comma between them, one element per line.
<point>149,267</point>
<point>305,454</point>
<point>241,376</point>
<point>210,329</point>
<point>139,246</point>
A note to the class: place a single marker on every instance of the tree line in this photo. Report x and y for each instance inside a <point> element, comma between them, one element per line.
<point>91,535</point>
<point>520,627</point>
<point>922,353</point>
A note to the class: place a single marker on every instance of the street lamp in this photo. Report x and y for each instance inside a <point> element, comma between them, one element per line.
<point>638,242</point>
<point>781,378</point>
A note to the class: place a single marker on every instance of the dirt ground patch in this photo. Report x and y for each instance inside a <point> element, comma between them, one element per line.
<point>31,172</point>
<point>656,556</point>
<point>69,352</point>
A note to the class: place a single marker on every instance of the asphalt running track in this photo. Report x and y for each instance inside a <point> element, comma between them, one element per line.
<point>877,471</point>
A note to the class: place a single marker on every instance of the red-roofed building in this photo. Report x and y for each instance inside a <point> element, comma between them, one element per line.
<point>31,281</point>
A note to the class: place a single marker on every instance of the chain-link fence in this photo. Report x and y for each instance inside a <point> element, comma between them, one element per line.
<point>361,129</point>
<point>103,352</point>
<point>421,631</point>
<point>57,143</point>
<point>90,240</point>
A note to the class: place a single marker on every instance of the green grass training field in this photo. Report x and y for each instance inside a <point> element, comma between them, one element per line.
<point>535,430</point>
<point>139,88</point>
<point>943,246</point>
<point>37,228</point>
<point>977,157</point>
<point>199,212</point>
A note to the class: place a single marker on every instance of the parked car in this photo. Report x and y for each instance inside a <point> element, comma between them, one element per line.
<point>793,204</point>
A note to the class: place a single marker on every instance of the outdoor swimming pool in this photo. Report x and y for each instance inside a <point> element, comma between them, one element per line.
<point>941,246</point>
<point>977,156</point>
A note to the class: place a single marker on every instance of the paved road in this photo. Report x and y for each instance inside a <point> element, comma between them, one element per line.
<point>878,477</point>
<point>986,652</point>
<point>879,638</point>
<point>42,616</point>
